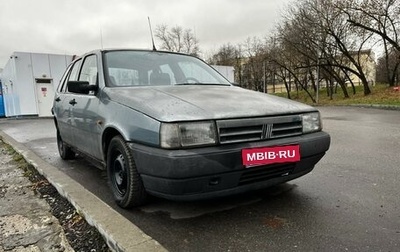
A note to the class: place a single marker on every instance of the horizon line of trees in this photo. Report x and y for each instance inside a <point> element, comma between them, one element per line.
<point>318,42</point>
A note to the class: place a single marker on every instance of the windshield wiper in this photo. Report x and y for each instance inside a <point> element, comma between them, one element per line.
<point>199,83</point>
<point>189,83</point>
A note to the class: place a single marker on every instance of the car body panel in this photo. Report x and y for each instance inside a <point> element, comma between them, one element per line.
<point>218,171</point>
<point>64,114</point>
<point>85,124</point>
<point>138,112</point>
<point>191,102</point>
<point>135,126</point>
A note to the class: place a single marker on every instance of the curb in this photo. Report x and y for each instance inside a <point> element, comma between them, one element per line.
<point>119,233</point>
<point>377,106</point>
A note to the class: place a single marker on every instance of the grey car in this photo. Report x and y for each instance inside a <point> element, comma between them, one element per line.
<point>167,124</point>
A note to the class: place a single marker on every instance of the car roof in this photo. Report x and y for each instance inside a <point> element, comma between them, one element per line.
<point>100,51</point>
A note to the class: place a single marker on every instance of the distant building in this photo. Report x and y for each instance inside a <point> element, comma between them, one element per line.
<point>2,112</point>
<point>28,83</point>
<point>227,71</point>
<point>366,59</point>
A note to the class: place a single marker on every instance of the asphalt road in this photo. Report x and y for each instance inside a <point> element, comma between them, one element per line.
<point>350,202</point>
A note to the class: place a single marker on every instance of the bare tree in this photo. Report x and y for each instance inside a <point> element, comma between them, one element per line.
<point>229,55</point>
<point>300,39</point>
<point>387,69</point>
<point>351,43</point>
<point>319,31</point>
<point>288,64</point>
<point>321,41</point>
<point>382,18</point>
<point>177,39</point>
<point>254,50</point>
<point>378,16</point>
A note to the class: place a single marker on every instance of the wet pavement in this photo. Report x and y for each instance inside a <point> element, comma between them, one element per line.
<point>119,234</point>
<point>349,202</point>
<point>26,223</point>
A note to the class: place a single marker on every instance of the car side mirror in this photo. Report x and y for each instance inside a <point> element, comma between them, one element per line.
<point>81,87</point>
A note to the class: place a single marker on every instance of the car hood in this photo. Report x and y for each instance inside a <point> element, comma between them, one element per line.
<point>201,102</point>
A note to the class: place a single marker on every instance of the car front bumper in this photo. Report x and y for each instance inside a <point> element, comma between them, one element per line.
<point>209,172</point>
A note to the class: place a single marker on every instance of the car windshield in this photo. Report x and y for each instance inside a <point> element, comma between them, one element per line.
<point>144,68</point>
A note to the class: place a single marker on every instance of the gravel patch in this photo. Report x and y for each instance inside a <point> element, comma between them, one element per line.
<point>80,235</point>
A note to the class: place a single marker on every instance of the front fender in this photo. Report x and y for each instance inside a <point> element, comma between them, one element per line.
<point>133,125</point>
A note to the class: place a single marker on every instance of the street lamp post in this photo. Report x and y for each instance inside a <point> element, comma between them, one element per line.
<point>317,93</point>
<point>264,76</point>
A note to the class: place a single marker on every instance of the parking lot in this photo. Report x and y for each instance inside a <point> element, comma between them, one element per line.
<point>349,202</point>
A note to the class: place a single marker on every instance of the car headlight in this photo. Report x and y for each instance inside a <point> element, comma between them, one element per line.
<point>188,134</point>
<point>311,122</point>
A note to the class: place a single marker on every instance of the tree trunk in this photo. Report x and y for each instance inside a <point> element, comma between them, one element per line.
<point>287,89</point>
<point>365,83</point>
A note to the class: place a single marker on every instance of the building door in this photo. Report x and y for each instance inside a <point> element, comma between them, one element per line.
<point>2,113</point>
<point>45,96</point>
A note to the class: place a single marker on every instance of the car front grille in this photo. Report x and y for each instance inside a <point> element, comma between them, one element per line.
<point>263,173</point>
<point>255,129</point>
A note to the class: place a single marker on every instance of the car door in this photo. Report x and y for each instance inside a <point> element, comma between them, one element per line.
<point>86,122</point>
<point>62,108</point>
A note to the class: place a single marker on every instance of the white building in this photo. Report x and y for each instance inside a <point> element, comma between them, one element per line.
<point>227,71</point>
<point>28,82</point>
<point>2,113</point>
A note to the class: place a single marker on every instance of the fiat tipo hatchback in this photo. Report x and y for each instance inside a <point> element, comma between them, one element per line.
<point>169,125</point>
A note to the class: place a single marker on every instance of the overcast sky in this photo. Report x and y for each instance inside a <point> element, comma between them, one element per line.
<point>77,26</point>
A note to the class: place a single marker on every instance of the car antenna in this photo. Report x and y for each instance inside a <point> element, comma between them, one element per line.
<point>151,34</point>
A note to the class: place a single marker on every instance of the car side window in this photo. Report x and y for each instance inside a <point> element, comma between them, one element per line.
<point>64,78</point>
<point>89,70</point>
<point>72,75</point>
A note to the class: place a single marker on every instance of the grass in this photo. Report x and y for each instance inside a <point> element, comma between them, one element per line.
<point>381,94</point>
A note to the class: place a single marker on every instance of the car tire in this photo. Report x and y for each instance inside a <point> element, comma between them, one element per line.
<point>64,150</point>
<point>125,181</point>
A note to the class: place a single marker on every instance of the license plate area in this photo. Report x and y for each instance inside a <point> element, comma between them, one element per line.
<point>270,155</point>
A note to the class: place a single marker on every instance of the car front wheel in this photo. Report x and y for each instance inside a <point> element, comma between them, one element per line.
<point>126,184</point>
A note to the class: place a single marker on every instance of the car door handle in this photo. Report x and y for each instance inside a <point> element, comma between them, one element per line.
<point>72,102</point>
<point>58,99</point>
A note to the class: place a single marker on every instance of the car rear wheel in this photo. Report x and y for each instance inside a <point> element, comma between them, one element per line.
<point>126,183</point>
<point>64,150</point>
